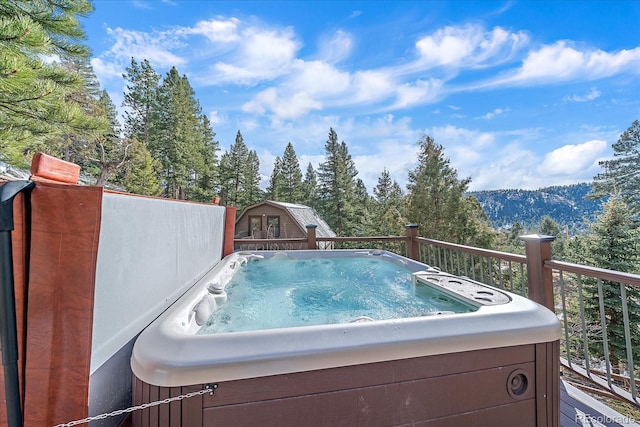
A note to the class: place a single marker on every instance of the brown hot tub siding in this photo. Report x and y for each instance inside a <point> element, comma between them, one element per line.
<point>467,388</point>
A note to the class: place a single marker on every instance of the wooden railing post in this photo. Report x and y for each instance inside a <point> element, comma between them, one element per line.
<point>538,250</point>
<point>229,230</point>
<point>413,250</point>
<point>311,236</point>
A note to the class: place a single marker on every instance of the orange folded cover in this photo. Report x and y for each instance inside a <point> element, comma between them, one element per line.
<point>51,168</point>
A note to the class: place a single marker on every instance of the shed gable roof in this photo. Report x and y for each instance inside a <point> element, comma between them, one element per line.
<point>301,214</point>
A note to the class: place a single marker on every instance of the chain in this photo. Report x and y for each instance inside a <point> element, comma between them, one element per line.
<point>208,389</point>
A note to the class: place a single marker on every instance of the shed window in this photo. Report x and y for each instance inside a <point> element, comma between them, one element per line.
<point>273,225</point>
<point>255,224</point>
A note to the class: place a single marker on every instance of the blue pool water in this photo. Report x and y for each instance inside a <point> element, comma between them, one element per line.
<point>267,294</point>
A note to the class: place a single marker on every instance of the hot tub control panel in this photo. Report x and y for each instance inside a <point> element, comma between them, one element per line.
<point>460,287</point>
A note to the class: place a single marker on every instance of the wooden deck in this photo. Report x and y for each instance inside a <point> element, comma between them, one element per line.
<point>579,409</point>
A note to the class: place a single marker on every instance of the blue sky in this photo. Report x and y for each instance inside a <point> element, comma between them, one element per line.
<point>521,94</point>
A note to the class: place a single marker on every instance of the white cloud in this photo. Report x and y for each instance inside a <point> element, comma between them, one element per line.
<point>504,168</point>
<point>290,106</point>
<point>261,55</point>
<point>468,46</point>
<point>216,30</point>
<point>247,124</point>
<point>371,86</point>
<point>570,160</point>
<point>318,78</point>
<point>455,136</point>
<point>563,62</point>
<point>216,118</point>
<point>315,85</point>
<point>589,96</point>
<point>390,144</point>
<point>494,113</point>
<point>105,70</point>
<point>245,54</point>
<point>319,84</point>
<point>337,47</point>
<point>418,93</point>
<point>156,47</point>
<point>140,4</point>
<point>513,166</point>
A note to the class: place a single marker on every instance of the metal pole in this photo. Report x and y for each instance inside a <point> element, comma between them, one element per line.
<point>8,330</point>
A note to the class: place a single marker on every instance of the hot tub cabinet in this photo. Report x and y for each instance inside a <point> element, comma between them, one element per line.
<point>494,387</point>
<point>497,366</point>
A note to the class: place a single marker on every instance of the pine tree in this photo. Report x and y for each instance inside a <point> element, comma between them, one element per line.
<point>549,227</point>
<point>183,140</point>
<point>276,182</point>
<point>140,100</point>
<point>110,151</point>
<point>225,179</point>
<point>310,187</point>
<point>233,172</point>
<point>35,96</point>
<point>336,186</point>
<point>388,206</point>
<point>251,192</point>
<point>140,174</point>
<point>622,173</point>
<point>516,231</point>
<point>285,183</point>
<point>78,147</point>
<point>613,244</point>
<point>437,201</point>
<point>292,175</point>
<point>206,175</point>
<point>363,222</point>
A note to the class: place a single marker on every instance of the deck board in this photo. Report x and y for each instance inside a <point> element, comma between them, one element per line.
<point>578,409</point>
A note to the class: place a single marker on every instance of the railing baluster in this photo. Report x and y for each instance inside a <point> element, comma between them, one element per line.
<point>434,250</point>
<point>510,276</point>
<point>564,319</point>
<point>458,262</point>
<point>583,321</point>
<point>490,270</point>
<point>627,339</point>
<point>473,267</point>
<point>465,262</point>
<point>603,326</point>
<point>482,270</point>
<point>446,263</point>
<point>523,291</point>
<point>451,263</point>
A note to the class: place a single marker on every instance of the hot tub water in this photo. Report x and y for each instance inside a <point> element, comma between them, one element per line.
<point>277,293</point>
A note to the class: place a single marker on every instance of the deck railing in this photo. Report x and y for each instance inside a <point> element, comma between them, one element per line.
<point>584,298</point>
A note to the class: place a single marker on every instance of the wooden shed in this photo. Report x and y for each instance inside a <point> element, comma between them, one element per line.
<point>280,220</point>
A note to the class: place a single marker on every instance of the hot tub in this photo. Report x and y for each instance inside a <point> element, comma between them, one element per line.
<point>494,364</point>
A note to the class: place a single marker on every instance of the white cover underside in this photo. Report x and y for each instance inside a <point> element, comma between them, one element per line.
<point>150,252</point>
